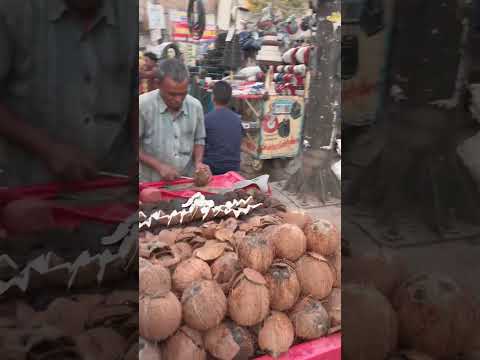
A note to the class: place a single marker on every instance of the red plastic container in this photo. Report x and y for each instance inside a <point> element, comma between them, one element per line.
<point>327,348</point>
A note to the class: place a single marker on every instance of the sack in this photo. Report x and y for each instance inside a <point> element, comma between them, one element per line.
<point>468,152</point>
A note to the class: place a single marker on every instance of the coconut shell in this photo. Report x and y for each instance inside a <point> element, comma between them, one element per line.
<point>322,237</point>
<point>229,341</point>
<point>209,229</point>
<point>315,275</point>
<point>256,253</point>
<point>380,268</point>
<point>249,299</point>
<point>142,262</point>
<point>371,322</point>
<point>409,355</point>
<point>202,177</point>
<point>97,344</point>
<point>224,234</point>
<point>185,344</point>
<point>159,317</point>
<point>435,315</point>
<point>185,250</point>
<point>283,285</point>
<point>299,218</point>
<point>166,236</point>
<point>288,240</point>
<point>204,305</point>
<point>148,351</point>
<point>210,251</point>
<point>310,319</point>
<point>154,280</point>
<point>225,267</point>
<point>277,334</point>
<point>333,305</point>
<point>189,271</point>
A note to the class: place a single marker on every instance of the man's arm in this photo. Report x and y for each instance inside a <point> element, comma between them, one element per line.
<point>198,152</point>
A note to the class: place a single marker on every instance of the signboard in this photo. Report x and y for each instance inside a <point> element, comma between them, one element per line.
<point>365,40</point>
<point>181,33</point>
<point>281,127</point>
<point>156,16</point>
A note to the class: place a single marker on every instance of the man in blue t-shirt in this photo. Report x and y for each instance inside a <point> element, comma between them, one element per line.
<point>224,133</point>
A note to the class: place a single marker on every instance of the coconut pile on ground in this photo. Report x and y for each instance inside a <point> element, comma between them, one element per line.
<point>238,285</point>
<point>391,314</point>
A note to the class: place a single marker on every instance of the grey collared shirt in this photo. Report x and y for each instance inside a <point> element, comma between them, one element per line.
<point>75,83</point>
<point>167,137</point>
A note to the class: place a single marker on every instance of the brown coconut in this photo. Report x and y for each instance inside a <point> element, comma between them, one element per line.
<point>333,305</point>
<point>435,315</point>
<point>283,285</point>
<point>256,253</point>
<point>288,240</point>
<point>204,305</point>
<point>189,271</point>
<point>160,317</point>
<point>225,267</point>
<point>370,321</point>
<point>299,218</point>
<point>315,275</point>
<point>148,350</point>
<point>211,251</point>
<point>276,334</point>
<point>379,268</point>
<point>154,280</point>
<point>322,237</point>
<point>97,344</point>
<point>185,344</point>
<point>229,341</point>
<point>184,250</point>
<point>202,177</point>
<point>142,262</point>
<point>167,236</point>
<point>249,299</point>
<point>310,319</point>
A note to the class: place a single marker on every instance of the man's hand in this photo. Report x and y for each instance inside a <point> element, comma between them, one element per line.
<point>167,172</point>
<point>69,163</point>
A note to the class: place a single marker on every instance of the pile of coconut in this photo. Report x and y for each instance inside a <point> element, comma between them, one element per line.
<point>238,287</point>
<point>390,313</point>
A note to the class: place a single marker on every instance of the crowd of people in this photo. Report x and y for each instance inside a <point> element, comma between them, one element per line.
<point>176,137</point>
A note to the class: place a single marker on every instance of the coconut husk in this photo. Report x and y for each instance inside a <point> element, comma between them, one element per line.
<point>224,234</point>
<point>256,252</point>
<point>159,317</point>
<point>229,341</point>
<point>333,305</point>
<point>225,267</point>
<point>184,249</point>
<point>288,240</point>
<point>299,218</point>
<point>310,319</point>
<point>185,344</point>
<point>189,271</point>
<point>166,236</point>
<point>315,275</point>
<point>208,229</point>
<point>277,334</point>
<point>230,224</point>
<point>167,256</point>
<point>283,285</point>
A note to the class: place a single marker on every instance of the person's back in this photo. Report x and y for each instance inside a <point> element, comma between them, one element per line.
<point>224,133</point>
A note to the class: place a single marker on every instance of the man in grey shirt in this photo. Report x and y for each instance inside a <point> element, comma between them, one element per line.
<point>68,88</point>
<point>172,128</point>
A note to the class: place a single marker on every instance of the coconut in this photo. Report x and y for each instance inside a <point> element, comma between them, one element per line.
<point>435,315</point>
<point>96,344</point>
<point>379,268</point>
<point>204,305</point>
<point>335,262</point>
<point>299,218</point>
<point>310,319</point>
<point>322,237</point>
<point>209,229</point>
<point>186,344</point>
<point>202,177</point>
<point>167,236</point>
<point>142,262</point>
<point>277,334</point>
<point>229,341</point>
<point>283,285</point>
<point>66,315</point>
<point>184,250</point>
<point>315,275</point>
<point>288,240</point>
<point>409,355</point>
<point>165,255</point>
<point>225,267</point>
<point>256,253</point>
<point>211,251</point>
<point>333,305</point>
<point>370,321</point>
<point>148,350</point>
<point>160,317</point>
<point>189,271</point>
<point>249,299</point>
<point>154,280</point>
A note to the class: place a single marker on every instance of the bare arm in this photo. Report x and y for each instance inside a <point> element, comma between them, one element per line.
<point>198,152</point>
<point>167,172</point>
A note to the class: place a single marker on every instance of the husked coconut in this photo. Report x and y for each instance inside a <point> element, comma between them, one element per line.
<point>159,317</point>
<point>189,271</point>
<point>315,275</point>
<point>185,344</point>
<point>225,267</point>
<point>148,350</point>
<point>299,218</point>
<point>310,319</point>
<point>256,253</point>
<point>154,280</point>
<point>229,341</point>
<point>288,240</point>
<point>322,237</point>
<point>249,299</point>
<point>277,334</point>
<point>283,285</point>
<point>371,322</point>
<point>204,305</point>
<point>333,305</point>
<point>435,315</point>
<point>202,177</point>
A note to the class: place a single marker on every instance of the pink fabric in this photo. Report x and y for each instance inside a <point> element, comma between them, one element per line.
<point>327,348</point>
